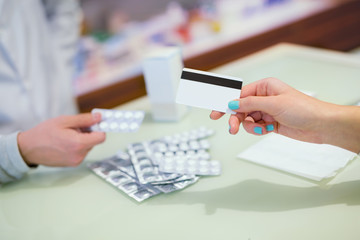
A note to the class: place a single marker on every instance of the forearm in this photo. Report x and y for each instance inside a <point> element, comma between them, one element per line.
<point>342,127</point>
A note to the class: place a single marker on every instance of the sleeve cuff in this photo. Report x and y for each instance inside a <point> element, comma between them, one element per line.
<point>14,154</point>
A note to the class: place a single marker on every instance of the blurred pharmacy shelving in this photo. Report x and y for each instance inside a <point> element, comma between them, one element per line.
<point>224,22</point>
<point>211,27</point>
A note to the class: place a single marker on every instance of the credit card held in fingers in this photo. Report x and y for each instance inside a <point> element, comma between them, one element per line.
<point>208,90</point>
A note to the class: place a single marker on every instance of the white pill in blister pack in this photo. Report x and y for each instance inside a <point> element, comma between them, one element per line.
<point>171,147</point>
<point>190,166</point>
<point>118,120</point>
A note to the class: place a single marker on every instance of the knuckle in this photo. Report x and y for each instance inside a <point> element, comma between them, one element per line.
<point>270,79</point>
<point>76,160</point>
<point>102,138</point>
<point>74,147</point>
<point>248,100</point>
<point>98,138</point>
<point>77,145</point>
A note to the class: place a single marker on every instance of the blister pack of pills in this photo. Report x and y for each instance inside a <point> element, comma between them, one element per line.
<point>118,120</point>
<point>118,171</point>
<point>138,171</point>
<point>123,181</point>
<point>146,156</point>
<point>190,166</point>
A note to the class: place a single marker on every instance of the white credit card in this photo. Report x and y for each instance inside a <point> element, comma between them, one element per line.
<point>208,90</point>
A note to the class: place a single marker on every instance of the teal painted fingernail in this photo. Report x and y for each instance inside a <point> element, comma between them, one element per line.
<point>269,127</point>
<point>258,130</point>
<point>233,105</point>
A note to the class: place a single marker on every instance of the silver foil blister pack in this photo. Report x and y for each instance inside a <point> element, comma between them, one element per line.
<point>118,120</point>
<point>118,171</point>
<point>141,172</point>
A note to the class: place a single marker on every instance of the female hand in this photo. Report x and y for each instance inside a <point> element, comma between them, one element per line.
<point>270,105</point>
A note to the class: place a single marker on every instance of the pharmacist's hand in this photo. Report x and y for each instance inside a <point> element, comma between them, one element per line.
<point>270,105</point>
<point>60,141</point>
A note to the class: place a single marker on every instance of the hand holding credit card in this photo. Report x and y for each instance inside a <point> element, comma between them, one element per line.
<point>208,90</point>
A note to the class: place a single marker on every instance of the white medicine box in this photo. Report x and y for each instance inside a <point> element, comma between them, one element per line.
<point>162,71</point>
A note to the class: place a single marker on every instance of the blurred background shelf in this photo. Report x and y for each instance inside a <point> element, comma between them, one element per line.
<point>209,35</point>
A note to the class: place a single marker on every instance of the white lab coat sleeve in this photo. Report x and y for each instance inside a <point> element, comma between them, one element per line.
<point>12,165</point>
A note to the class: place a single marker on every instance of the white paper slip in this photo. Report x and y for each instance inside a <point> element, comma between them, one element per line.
<point>208,90</point>
<point>309,160</point>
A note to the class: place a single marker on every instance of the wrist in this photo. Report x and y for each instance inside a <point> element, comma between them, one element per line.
<point>342,127</point>
<point>22,145</point>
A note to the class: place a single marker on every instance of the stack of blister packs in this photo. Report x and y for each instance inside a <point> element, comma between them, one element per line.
<point>159,166</point>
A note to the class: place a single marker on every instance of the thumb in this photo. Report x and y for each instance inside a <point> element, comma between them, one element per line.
<point>82,120</point>
<point>265,104</point>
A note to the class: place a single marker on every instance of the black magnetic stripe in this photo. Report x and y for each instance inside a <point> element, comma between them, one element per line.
<point>198,77</point>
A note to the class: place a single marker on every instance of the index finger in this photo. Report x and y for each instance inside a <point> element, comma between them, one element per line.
<point>81,120</point>
<point>91,139</point>
<point>263,87</point>
<point>215,115</point>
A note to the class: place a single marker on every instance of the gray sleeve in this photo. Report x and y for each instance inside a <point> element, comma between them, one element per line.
<point>12,166</point>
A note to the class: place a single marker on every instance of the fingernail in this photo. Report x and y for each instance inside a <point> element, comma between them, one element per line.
<point>258,130</point>
<point>97,116</point>
<point>269,127</point>
<point>233,105</point>
<point>229,129</point>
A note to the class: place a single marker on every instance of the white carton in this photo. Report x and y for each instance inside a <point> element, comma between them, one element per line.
<point>162,70</point>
